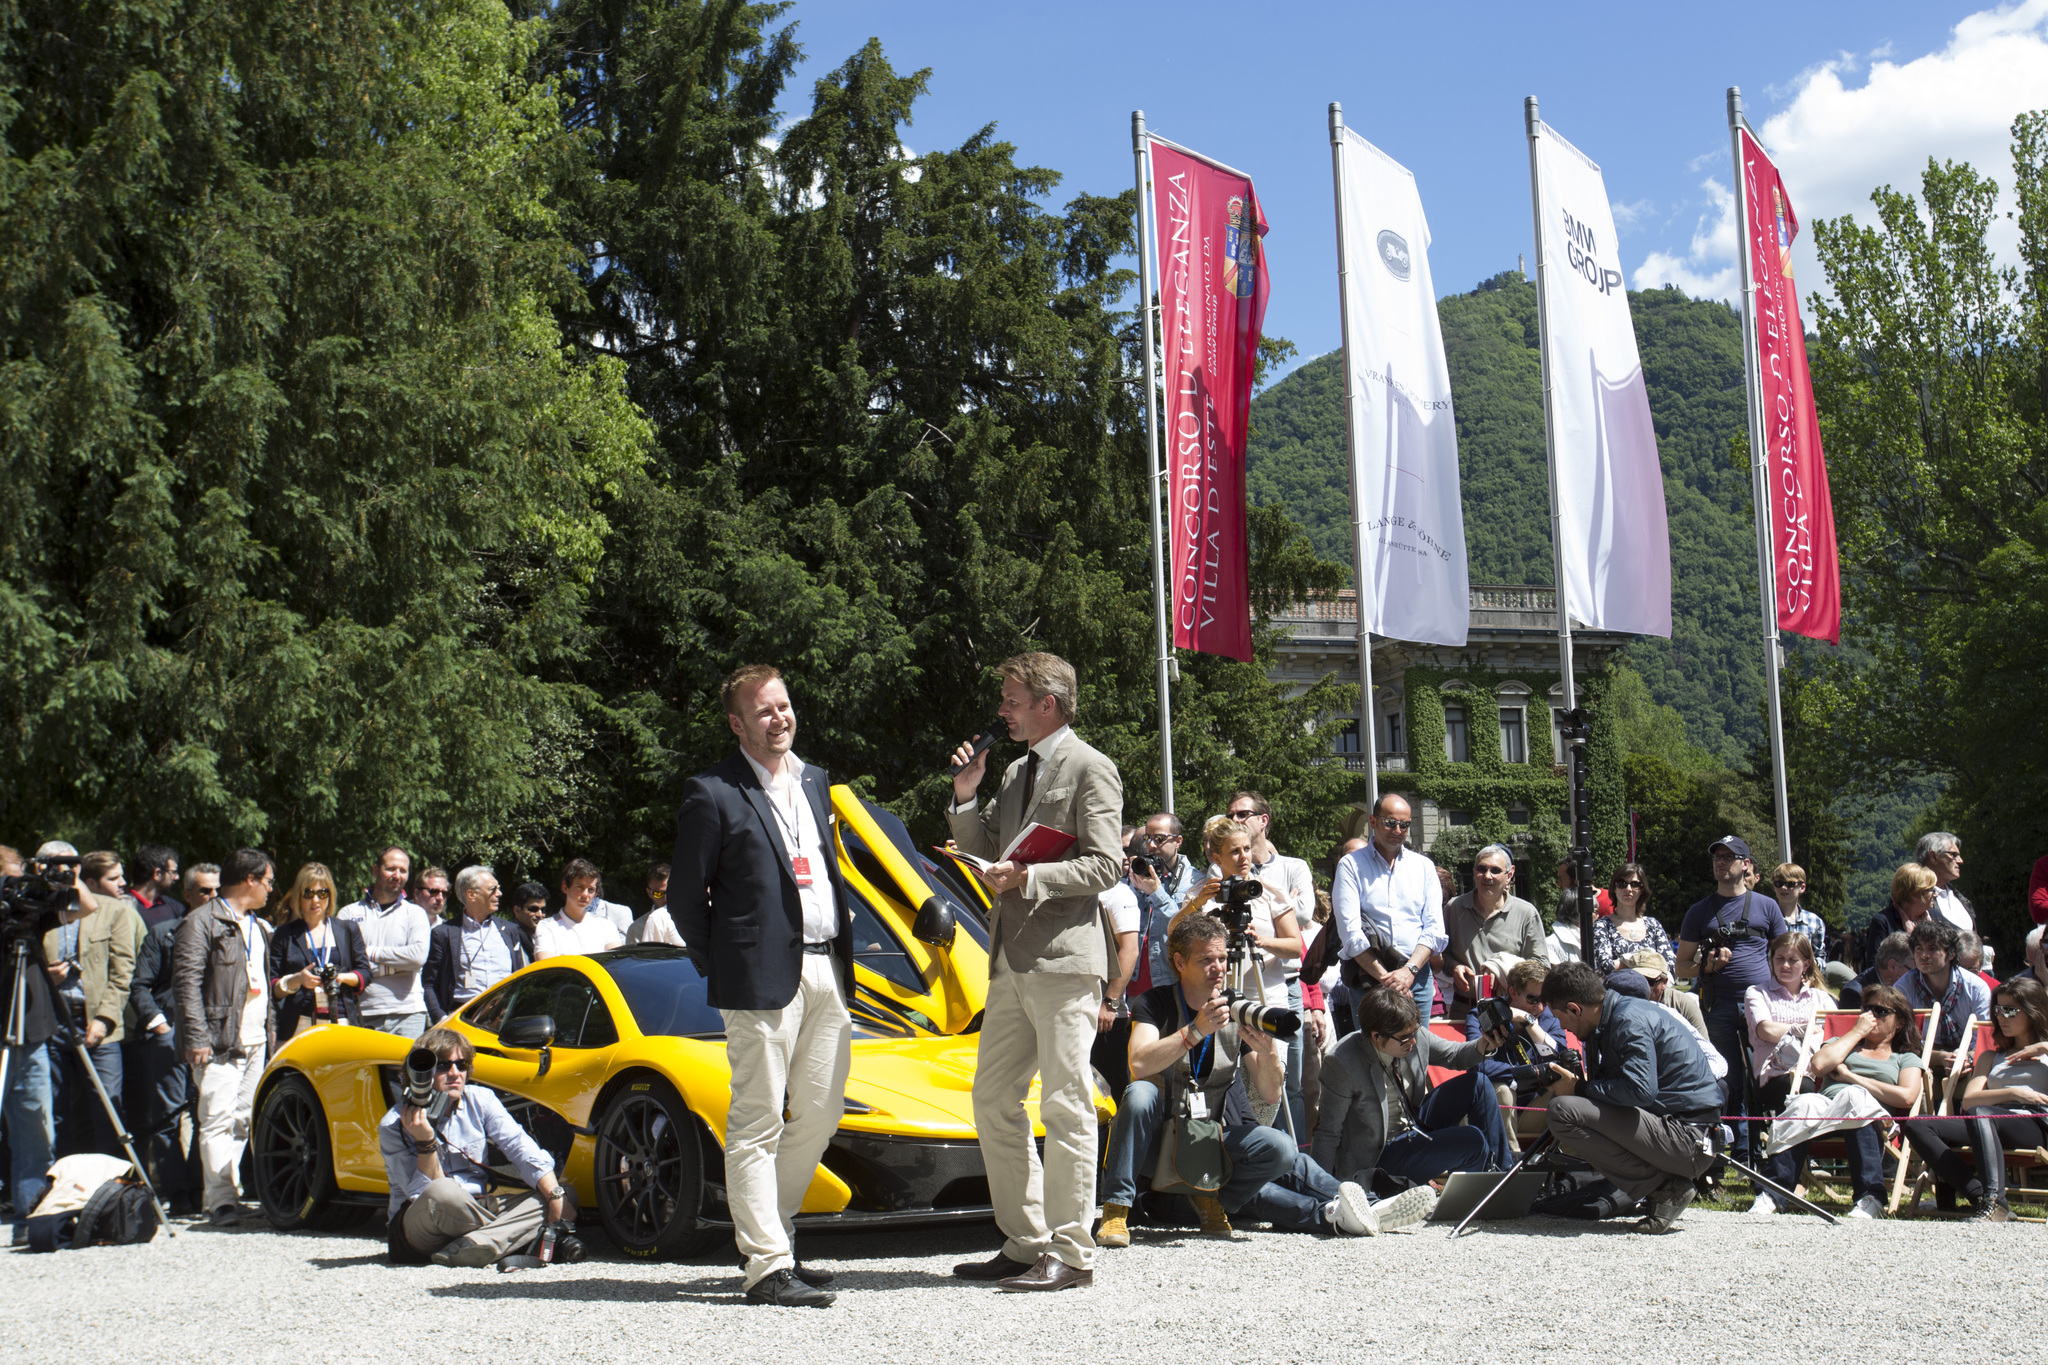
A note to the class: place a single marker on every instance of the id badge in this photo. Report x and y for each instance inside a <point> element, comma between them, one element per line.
<point>1198,1104</point>
<point>801,867</point>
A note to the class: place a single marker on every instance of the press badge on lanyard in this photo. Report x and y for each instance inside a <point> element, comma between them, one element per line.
<point>800,866</point>
<point>799,863</point>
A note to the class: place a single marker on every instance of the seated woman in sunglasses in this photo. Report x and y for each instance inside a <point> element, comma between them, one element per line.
<point>1871,1070</point>
<point>2004,1103</point>
<point>441,1205</point>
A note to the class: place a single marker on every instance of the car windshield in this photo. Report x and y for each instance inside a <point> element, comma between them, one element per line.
<point>663,991</point>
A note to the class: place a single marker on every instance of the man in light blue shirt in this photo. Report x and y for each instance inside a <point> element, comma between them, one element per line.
<point>1937,979</point>
<point>1388,906</point>
<point>438,1170</point>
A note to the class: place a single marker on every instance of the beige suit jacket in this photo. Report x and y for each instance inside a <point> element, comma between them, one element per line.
<point>1060,927</point>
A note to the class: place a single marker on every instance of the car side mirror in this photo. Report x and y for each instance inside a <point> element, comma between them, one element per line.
<point>934,923</point>
<point>531,1032</point>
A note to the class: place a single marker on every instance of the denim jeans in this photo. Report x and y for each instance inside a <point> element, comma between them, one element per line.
<point>31,1130</point>
<point>1439,1142</point>
<point>81,1120</point>
<point>1294,1200</point>
<point>1257,1153</point>
<point>1866,1164</point>
<point>1724,1031</point>
<point>174,1164</point>
<point>1297,1109</point>
<point>404,1025</point>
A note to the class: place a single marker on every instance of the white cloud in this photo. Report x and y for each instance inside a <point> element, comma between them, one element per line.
<point>1628,216</point>
<point>1835,143</point>
<point>1707,269</point>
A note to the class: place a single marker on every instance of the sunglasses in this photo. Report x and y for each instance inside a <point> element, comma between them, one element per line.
<point>1788,885</point>
<point>1400,826</point>
<point>1881,1012</point>
<point>1628,886</point>
<point>1535,1000</point>
<point>1241,814</point>
<point>428,893</point>
<point>448,1064</point>
<point>1406,1039</point>
<point>2006,1011</point>
<point>1156,839</point>
<point>319,893</point>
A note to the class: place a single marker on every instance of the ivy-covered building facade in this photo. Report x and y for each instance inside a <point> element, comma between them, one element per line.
<point>1470,735</point>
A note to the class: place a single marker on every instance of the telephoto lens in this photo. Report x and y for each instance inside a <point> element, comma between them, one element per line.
<point>1277,1020</point>
<point>419,1085</point>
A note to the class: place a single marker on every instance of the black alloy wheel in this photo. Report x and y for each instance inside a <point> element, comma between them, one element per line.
<point>293,1156</point>
<point>649,1173</point>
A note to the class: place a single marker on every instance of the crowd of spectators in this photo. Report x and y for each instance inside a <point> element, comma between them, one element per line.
<point>172,989</point>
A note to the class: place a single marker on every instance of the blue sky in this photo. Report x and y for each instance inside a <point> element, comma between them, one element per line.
<point>1848,95</point>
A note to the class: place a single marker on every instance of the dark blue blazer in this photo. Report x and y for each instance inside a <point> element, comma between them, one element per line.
<point>289,956</point>
<point>733,895</point>
<point>444,954</point>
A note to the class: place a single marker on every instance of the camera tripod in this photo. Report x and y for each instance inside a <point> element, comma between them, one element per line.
<point>1241,965</point>
<point>17,1005</point>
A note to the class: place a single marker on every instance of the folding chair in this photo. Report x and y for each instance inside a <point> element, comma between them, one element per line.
<point>1905,1152</point>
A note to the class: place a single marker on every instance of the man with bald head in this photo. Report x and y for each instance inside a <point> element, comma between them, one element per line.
<point>1388,907</point>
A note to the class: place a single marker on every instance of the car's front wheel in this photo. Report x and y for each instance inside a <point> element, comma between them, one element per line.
<point>293,1155</point>
<point>650,1176</point>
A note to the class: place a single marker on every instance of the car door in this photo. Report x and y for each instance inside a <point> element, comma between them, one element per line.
<point>577,1059</point>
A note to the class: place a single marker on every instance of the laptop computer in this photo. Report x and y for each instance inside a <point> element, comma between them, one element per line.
<point>1464,1189</point>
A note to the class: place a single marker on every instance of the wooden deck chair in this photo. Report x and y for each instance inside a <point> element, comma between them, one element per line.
<point>1979,1038</point>
<point>1931,1022</point>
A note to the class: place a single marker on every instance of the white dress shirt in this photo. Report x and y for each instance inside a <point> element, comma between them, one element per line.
<point>799,826</point>
<point>1399,904</point>
<point>558,934</point>
<point>656,926</point>
<point>483,959</point>
<point>1949,906</point>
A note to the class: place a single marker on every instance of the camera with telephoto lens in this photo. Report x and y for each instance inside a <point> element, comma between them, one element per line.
<point>45,885</point>
<point>1277,1020</point>
<point>419,1090</point>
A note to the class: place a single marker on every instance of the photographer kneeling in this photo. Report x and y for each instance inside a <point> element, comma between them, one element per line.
<point>1648,1115</point>
<point>1185,1053</point>
<point>440,1175</point>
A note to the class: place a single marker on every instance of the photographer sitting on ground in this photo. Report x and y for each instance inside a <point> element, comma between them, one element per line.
<point>1647,1114</point>
<point>441,1206</point>
<point>1520,1071</point>
<point>1185,1053</point>
<point>1379,1114</point>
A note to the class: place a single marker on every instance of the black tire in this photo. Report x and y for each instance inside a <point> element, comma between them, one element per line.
<point>293,1156</point>
<point>649,1174</point>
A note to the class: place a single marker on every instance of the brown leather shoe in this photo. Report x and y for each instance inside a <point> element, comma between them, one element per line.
<point>997,1267</point>
<point>1049,1274</point>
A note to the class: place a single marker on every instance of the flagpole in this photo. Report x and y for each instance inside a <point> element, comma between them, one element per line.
<point>1359,573</point>
<point>1760,477</point>
<point>1148,281</point>
<point>1564,617</point>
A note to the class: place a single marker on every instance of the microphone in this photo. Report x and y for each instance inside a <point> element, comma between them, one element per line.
<point>996,730</point>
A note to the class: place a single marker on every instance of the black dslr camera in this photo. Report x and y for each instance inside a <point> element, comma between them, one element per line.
<point>1495,1014</point>
<point>1233,904</point>
<point>1148,864</point>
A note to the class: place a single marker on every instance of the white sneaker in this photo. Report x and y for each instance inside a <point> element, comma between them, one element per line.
<point>1866,1207</point>
<point>1764,1207</point>
<point>1351,1212</point>
<point>1406,1209</point>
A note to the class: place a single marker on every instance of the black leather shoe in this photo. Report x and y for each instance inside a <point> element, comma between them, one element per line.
<point>998,1267</point>
<point>1049,1275</point>
<point>816,1279</point>
<point>784,1290</point>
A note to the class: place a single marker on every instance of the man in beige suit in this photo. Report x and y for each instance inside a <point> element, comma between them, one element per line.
<point>1046,972</point>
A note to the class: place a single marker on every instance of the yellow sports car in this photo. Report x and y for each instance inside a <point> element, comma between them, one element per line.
<point>616,1064</point>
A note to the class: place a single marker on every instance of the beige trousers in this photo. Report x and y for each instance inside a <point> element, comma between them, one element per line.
<point>446,1211</point>
<point>1039,1024</point>
<point>227,1095</point>
<point>798,1055</point>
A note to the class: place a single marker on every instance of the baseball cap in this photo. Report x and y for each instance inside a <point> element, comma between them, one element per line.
<point>1732,842</point>
<point>1649,963</point>
<point>1626,982</point>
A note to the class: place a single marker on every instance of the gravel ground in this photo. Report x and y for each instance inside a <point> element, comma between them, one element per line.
<point>1568,1291</point>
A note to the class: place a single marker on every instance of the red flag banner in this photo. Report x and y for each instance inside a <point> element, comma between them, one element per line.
<point>1212,302</point>
<point>1809,577</point>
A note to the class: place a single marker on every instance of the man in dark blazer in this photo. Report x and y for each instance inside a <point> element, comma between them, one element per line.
<point>462,963</point>
<point>755,892</point>
<point>1050,955</point>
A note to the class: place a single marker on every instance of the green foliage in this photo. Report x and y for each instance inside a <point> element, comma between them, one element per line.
<point>1643,725</point>
<point>303,487</point>
<point>1929,377</point>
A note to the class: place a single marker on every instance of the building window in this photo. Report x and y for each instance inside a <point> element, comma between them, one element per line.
<point>1393,732</point>
<point>1457,818</point>
<point>1557,751</point>
<point>1457,743</point>
<point>1518,815</point>
<point>1345,740</point>
<point>1514,735</point>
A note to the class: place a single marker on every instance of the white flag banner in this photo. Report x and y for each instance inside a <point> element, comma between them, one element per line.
<point>1610,486</point>
<point>1404,434</point>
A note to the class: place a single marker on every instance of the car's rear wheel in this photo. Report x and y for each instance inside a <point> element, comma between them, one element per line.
<point>650,1176</point>
<point>294,1156</point>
